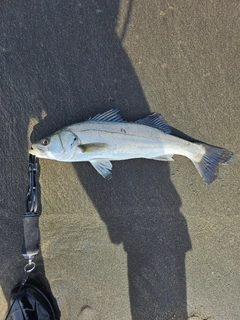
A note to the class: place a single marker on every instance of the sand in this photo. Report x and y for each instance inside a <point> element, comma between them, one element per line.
<point>154,242</point>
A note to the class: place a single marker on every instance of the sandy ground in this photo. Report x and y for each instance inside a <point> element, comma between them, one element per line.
<point>154,242</point>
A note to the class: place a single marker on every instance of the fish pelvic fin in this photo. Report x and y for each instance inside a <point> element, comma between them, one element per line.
<point>103,167</point>
<point>208,165</point>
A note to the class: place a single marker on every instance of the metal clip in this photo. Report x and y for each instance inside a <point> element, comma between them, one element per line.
<point>30,266</point>
<point>32,195</point>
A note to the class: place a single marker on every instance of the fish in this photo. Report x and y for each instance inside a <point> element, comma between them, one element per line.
<point>108,137</point>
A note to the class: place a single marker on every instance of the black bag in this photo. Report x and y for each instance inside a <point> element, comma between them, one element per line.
<point>30,304</point>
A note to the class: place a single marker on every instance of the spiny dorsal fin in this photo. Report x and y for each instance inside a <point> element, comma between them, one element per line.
<point>156,121</point>
<point>112,115</point>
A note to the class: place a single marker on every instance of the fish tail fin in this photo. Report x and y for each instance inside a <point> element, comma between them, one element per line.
<point>207,166</point>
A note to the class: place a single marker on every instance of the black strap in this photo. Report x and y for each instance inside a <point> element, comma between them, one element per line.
<point>30,246</point>
<point>31,238</point>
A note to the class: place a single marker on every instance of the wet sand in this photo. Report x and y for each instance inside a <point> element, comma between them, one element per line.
<point>154,242</point>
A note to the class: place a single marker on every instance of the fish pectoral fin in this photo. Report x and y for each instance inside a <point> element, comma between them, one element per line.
<point>92,147</point>
<point>166,157</point>
<point>103,167</point>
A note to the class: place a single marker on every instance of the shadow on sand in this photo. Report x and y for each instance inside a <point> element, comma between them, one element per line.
<point>64,58</point>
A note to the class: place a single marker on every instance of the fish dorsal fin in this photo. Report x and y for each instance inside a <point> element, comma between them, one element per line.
<point>112,115</point>
<point>156,121</point>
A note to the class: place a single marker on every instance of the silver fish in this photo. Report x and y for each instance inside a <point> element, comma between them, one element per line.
<point>108,137</point>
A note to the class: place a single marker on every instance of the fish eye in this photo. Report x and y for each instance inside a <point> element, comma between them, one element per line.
<point>45,142</point>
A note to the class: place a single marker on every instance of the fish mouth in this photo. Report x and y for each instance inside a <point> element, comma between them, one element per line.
<point>36,151</point>
<point>32,151</point>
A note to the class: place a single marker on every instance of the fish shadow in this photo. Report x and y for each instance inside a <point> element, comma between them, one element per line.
<point>141,210</point>
<point>66,61</point>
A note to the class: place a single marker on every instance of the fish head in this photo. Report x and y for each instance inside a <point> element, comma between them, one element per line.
<point>60,146</point>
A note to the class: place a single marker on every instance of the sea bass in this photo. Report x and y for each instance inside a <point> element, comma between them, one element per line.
<point>108,137</point>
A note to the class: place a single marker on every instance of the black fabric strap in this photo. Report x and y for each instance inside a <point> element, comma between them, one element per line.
<point>31,236</point>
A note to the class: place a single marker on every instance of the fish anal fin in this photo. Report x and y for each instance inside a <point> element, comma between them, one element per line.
<point>167,157</point>
<point>92,147</point>
<point>103,167</point>
<point>156,121</point>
